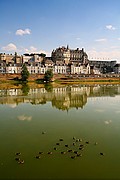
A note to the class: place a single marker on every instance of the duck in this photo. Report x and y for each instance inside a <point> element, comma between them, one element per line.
<point>17,159</point>
<point>66,145</point>
<point>43,132</point>
<point>76,152</point>
<point>81,145</point>
<point>79,155</point>
<point>50,152</point>
<point>102,154</point>
<point>21,162</point>
<point>17,153</point>
<point>63,152</point>
<point>58,144</point>
<point>60,139</point>
<point>37,157</point>
<point>40,152</point>
<point>72,157</point>
<point>69,150</point>
<point>55,148</point>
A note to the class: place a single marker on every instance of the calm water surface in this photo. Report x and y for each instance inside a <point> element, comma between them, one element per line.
<point>34,120</point>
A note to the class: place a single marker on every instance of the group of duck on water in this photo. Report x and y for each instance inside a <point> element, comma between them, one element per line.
<point>76,153</point>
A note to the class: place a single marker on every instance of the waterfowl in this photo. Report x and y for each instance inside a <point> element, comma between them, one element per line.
<point>58,144</point>
<point>75,152</point>
<point>61,139</point>
<point>72,157</point>
<point>74,138</point>
<point>87,142</point>
<point>43,132</point>
<point>55,148</point>
<point>77,140</point>
<point>66,145</point>
<point>18,153</point>
<point>96,143</point>
<point>63,152</point>
<point>37,157</point>
<point>79,155</point>
<point>21,162</point>
<point>74,144</point>
<point>17,159</point>
<point>81,148</point>
<point>40,152</point>
<point>69,150</point>
<point>50,152</point>
<point>81,145</point>
<point>102,154</point>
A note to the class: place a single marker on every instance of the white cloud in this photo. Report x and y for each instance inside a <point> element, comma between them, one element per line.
<point>21,32</point>
<point>33,49</point>
<point>23,118</point>
<point>9,47</point>
<point>101,40</point>
<point>119,39</point>
<point>110,27</point>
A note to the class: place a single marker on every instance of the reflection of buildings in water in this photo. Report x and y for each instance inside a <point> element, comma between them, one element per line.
<point>62,98</point>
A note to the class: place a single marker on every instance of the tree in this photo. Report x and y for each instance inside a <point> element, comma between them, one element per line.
<point>24,73</point>
<point>42,55</point>
<point>48,75</point>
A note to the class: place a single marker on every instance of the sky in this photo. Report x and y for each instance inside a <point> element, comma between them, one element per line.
<point>39,26</point>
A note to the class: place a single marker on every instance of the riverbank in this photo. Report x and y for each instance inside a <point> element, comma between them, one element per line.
<point>8,80</point>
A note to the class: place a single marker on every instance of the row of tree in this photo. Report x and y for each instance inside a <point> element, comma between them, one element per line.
<point>25,74</point>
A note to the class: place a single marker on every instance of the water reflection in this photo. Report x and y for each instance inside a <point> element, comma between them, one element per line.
<point>25,89</point>
<point>63,98</point>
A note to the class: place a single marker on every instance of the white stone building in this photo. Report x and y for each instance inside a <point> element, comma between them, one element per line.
<point>80,69</point>
<point>59,68</point>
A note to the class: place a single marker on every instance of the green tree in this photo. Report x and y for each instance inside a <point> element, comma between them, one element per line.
<point>48,75</point>
<point>43,55</point>
<point>24,73</point>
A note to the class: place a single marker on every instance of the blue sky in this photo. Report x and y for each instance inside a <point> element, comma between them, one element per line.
<point>44,25</point>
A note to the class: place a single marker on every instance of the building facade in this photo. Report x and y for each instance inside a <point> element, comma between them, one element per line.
<point>68,56</point>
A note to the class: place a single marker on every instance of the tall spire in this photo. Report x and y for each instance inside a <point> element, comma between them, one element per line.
<point>67,46</point>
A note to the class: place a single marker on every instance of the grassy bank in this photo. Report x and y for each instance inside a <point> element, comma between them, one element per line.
<point>34,81</point>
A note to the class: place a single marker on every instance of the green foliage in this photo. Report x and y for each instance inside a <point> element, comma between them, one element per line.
<point>43,55</point>
<point>24,73</point>
<point>48,75</point>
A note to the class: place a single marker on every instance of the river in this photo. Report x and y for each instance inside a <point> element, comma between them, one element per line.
<point>68,132</point>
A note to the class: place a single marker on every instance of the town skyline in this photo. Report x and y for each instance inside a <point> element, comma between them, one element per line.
<point>40,26</point>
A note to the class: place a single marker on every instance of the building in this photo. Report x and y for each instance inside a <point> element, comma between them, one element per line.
<point>10,58</point>
<point>59,68</point>
<point>68,56</point>
<point>117,69</point>
<point>32,58</point>
<point>80,69</point>
<point>2,67</point>
<point>35,68</point>
<point>104,66</point>
<point>61,54</point>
